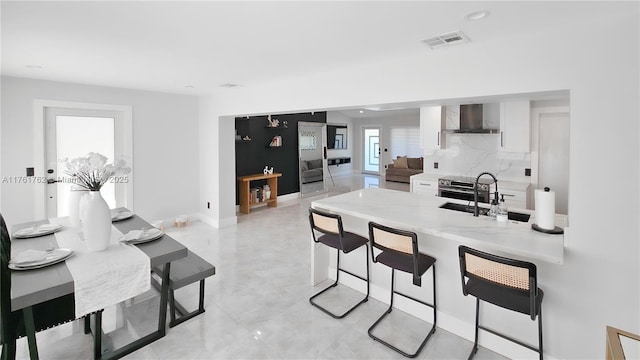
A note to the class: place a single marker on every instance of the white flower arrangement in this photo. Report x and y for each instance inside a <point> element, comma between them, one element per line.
<point>93,171</point>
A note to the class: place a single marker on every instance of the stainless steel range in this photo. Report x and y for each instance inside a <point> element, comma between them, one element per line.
<point>462,187</point>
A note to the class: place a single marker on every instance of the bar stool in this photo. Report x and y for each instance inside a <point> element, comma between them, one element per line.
<point>399,251</point>
<point>508,283</point>
<point>333,235</point>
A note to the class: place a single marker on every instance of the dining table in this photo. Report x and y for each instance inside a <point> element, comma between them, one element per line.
<point>35,286</point>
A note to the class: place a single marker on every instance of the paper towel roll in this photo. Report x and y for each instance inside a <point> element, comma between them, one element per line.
<point>545,209</point>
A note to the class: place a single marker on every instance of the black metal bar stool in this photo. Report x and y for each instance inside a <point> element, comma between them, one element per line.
<point>399,251</point>
<point>333,235</point>
<point>508,283</point>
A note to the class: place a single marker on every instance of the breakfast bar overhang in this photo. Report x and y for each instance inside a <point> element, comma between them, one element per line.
<point>440,232</point>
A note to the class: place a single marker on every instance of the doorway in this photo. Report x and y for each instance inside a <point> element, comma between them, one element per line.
<point>313,169</point>
<point>71,130</point>
<point>553,160</point>
<point>371,150</point>
<point>72,134</point>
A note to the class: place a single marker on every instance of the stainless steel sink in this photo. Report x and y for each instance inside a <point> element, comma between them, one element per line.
<point>464,208</point>
<point>515,216</point>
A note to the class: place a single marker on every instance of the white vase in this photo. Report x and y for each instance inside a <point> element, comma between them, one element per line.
<point>74,206</point>
<point>96,221</point>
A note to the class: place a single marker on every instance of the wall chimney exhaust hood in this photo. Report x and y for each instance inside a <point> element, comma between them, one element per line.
<point>471,119</point>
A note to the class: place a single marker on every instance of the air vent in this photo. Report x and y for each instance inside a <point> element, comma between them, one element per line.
<point>229,85</point>
<point>452,38</point>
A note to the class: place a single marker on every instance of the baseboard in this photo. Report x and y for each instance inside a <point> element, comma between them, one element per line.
<point>288,197</point>
<point>446,322</point>
<point>281,198</point>
<point>217,223</point>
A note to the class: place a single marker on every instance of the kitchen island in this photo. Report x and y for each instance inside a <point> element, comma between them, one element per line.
<point>440,232</point>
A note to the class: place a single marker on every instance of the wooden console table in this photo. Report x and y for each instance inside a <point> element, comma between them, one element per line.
<point>619,349</point>
<point>245,194</point>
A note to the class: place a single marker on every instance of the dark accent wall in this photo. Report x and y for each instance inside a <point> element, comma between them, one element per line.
<point>253,155</point>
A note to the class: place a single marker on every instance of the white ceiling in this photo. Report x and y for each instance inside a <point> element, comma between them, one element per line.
<point>166,46</point>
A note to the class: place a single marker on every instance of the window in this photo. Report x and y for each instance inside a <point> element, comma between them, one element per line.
<point>405,141</point>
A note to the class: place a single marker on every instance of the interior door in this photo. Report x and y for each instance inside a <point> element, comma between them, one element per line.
<point>312,155</point>
<point>72,133</point>
<point>371,150</point>
<point>553,162</point>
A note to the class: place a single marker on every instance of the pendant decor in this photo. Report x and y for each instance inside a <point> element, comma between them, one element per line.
<point>91,173</point>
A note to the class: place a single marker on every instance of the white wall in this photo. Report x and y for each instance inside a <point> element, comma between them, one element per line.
<point>165,145</point>
<point>597,61</point>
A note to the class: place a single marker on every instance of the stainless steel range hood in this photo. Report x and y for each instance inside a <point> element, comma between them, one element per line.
<point>471,118</point>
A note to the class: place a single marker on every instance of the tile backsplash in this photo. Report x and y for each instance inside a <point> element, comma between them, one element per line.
<point>471,154</point>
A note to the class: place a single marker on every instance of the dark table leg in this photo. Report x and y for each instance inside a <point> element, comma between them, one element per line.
<point>9,349</point>
<point>162,324</point>
<point>30,328</point>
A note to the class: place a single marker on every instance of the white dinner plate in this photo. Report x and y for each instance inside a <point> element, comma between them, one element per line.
<point>36,230</point>
<point>32,260</point>
<point>146,236</point>
<point>121,215</point>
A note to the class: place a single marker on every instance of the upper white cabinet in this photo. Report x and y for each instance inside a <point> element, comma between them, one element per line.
<point>514,126</point>
<point>431,122</point>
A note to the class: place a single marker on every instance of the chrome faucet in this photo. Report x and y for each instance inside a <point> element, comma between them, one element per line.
<point>475,191</point>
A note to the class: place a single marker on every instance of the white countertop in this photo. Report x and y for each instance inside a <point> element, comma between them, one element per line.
<point>422,214</point>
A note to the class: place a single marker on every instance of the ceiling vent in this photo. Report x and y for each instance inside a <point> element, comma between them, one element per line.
<point>229,85</point>
<point>452,38</point>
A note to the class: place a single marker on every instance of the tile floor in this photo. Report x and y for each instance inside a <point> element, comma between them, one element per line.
<point>257,304</point>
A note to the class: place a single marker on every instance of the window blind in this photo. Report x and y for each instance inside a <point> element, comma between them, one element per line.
<point>405,141</point>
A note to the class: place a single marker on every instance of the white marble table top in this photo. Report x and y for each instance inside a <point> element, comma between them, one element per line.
<point>422,214</point>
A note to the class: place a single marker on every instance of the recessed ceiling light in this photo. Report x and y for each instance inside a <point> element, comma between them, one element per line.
<point>361,111</point>
<point>477,15</point>
<point>34,66</point>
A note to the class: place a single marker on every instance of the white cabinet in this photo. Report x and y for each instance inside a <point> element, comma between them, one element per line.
<point>514,126</point>
<point>425,187</point>
<point>431,121</point>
